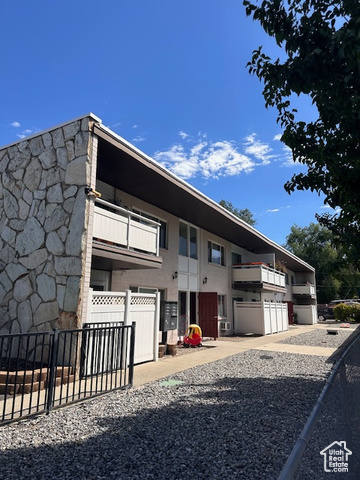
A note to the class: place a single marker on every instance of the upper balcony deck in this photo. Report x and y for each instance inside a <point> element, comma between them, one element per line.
<point>129,239</point>
<point>258,276</point>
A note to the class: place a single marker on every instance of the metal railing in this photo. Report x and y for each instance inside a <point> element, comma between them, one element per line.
<point>334,422</point>
<point>42,371</point>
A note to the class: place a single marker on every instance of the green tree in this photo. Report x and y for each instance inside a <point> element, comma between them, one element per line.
<point>321,43</point>
<point>336,277</point>
<point>244,214</point>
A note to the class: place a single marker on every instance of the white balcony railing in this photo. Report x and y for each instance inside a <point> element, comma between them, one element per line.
<point>306,289</point>
<point>125,228</point>
<point>258,273</point>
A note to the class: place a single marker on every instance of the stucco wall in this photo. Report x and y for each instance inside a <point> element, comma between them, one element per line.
<point>43,210</point>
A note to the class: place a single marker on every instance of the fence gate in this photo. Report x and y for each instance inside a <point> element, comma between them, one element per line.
<point>123,308</point>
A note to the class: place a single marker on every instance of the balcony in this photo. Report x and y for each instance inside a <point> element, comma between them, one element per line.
<point>304,290</point>
<point>127,239</point>
<point>258,276</point>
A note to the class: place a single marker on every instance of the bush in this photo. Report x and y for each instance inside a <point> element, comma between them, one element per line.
<point>347,312</point>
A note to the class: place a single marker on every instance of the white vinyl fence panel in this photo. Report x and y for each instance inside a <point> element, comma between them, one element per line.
<point>260,318</point>
<point>117,308</point>
<point>306,314</point>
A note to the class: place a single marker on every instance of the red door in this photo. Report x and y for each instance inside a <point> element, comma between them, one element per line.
<point>208,314</point>
<point>290,312</point>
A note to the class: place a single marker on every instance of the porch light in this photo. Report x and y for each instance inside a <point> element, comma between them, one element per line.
<point>205,280</point>
<point>175,275</point>
<point>91,191</point>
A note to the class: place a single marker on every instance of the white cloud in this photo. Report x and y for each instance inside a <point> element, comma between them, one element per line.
<point>135,126</point>
<point>27,132</point>
<point>273,210</point>
<point>138,139</point>
<point>15,124</point>
<point>259,150</point>
<point>278,137</point>
<point>208,159</point>
<point>198,156</point>
<point>177,161</point>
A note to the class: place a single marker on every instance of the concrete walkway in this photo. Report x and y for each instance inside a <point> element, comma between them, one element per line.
<point>149,372</point>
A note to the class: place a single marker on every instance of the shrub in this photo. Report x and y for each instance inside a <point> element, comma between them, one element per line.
<point>347,312</point>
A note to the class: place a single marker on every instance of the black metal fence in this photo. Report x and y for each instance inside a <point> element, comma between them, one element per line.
<point>42,371</point>
<point>329,444</point>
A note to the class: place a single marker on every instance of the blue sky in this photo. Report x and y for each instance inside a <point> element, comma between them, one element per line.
<point>168,76</point>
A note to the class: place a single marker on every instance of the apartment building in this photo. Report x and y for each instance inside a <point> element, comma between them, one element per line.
<point>83,211</point>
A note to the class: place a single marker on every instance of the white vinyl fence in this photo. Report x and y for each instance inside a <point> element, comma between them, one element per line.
<point>306,314</point>
<point>261,318</point>
<point>116,308</point>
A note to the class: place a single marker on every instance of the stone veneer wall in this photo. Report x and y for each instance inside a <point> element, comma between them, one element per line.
<point>43,216</point>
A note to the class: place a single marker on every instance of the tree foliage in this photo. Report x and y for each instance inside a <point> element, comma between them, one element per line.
<point>321,42</point>
<point>244,214</point>
<point>336,277</point>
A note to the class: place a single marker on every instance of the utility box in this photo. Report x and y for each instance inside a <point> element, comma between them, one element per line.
<point>168,315</point>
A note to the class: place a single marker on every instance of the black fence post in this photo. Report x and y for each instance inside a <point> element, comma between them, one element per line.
<point>132,353</point>
<point>51,379</point>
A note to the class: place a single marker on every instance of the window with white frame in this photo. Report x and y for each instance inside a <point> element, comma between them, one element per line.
<point>216,253</point>
<point>148,290</point>
<point>188,240</point>
<point>222,306</point>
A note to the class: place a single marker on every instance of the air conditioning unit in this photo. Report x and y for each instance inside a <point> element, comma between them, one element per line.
<point>225,326</point>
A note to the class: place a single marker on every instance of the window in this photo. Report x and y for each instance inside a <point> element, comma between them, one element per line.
<point>134,289</point>
<point>188,241</point>
<point>216,254</point>
<point>183,244</point>
<point>193,242</point>
<point>236,258</point>
<point>222,306</point>
<point>163,227</point>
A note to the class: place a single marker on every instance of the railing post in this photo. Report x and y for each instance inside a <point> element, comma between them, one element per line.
<point>345,402</point>
<point>158,240</point>
<point>156,326</point>
<point>127,322</point>
<point>51,379</point>
<point>132,353</point>
<point>128,232</point>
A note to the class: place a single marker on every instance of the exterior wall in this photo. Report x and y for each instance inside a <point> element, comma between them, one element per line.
<point>43,215</point>
<point>218,277</point>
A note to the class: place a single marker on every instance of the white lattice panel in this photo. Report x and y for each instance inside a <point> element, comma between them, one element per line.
<point>108,299</point>
<point>142,300</point>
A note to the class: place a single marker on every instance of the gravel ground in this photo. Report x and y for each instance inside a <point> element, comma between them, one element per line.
<point>236,418</point>
<point>320,338</point>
